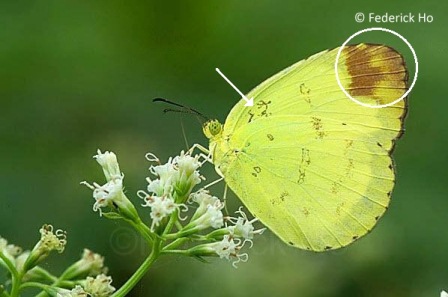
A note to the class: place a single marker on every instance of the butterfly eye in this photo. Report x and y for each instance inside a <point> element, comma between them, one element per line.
<point>214,127</point>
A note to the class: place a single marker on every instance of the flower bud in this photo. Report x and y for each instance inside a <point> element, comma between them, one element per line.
<point>49,241</point>
<point>90,264</point>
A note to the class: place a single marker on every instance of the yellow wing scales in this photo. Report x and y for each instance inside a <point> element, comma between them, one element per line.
<point>338,194</point>
<point>312,165</point>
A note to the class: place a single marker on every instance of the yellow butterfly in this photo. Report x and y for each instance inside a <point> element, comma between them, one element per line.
<point>309,163</point>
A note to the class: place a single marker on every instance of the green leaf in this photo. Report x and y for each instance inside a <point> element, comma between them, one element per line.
<point>112,215</point>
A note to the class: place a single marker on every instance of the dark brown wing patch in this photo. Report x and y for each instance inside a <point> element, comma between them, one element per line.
<point>376,71</point>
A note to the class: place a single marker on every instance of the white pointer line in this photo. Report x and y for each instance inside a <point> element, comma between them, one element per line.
<point>249,102</point>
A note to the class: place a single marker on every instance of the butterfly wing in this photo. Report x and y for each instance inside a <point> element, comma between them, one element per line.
<point>311,164</point>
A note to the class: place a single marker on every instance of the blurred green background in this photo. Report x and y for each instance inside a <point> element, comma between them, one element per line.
<point>76,76</point>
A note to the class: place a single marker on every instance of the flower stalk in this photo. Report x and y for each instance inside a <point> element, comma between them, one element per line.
<point>183,221</point>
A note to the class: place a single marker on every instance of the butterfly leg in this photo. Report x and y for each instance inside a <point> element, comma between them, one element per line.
<point>205,153</point>
<point>224,198</point>
<point>199,147</point>
<point>213,183</point>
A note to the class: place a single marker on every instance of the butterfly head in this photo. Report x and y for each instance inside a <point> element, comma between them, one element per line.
<point>212,128</point>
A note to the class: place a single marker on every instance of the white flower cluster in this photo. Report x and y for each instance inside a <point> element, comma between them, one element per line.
<point>209,215</point>
<point>99,286</point>
<point>9,251</point>
<point>173,185</point>
<point>50,240</point>
<point>241,232</point>
<point>167,195</point>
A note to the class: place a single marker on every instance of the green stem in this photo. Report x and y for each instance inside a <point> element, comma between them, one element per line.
<point>10,266</point>
<point>60,282</point>
<point>143,230</point>
<point>177,252</point>
<point>56,282</point>
<point>34,285</point>
<point>16,285</point>
<point>181,233</point>
<point>42,294</point>
<point>176,243</point>
<point>140,272</point>
<point>179,225</point>
<point>171,222</point>
<point>45,274</point>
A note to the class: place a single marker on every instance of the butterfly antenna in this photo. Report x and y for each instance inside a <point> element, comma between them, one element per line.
<point>184,109</point>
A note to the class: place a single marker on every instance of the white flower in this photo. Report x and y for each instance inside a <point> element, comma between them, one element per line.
<point>243,227</point>
<point>107,194</point>
<point>89,264</point>
<point>443,294</point>
<point>112,190</point>
<point>212,217</point>
<point>111,194</point>
<point>10,251</point>
<point>108,161</point>
<point>161,207</point>
<point>99,286</point>
<point>165,172</point>
<point>162,185</point>
<point>204,199</point>
<point>188,166</point>
<point>186,163</point>
<point>188,176</point>
<point>226,247</point>
<point>229,247</point>
<point>77,291</point>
